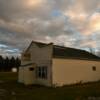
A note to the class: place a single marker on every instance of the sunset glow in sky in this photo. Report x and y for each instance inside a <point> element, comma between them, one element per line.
<point>72,23</point>
<point>31,3</point>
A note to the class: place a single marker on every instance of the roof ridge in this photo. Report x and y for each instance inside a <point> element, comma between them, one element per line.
<point>42,42</point>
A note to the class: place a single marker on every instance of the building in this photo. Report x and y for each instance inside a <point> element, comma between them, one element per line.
<point>52,65</point>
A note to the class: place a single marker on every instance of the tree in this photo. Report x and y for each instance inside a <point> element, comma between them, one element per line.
<point>1,63</point>
<point>18,62</point>
<point>6,64</point>
<point>12,62</point>
<point>92,50</point>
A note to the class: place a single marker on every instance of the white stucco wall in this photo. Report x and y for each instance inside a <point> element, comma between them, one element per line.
<point>69,71</point>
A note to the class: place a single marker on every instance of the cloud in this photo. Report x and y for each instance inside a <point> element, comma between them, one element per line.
<point>74,23</point>
<point>92,25</point>
<point>95,22</point>
<point>15,10</point>
<point>9,51</point>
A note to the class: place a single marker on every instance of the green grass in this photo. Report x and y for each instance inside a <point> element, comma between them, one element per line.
<point>10,89</point>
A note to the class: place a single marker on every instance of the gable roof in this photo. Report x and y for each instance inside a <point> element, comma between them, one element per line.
<point>39,44</point>
<point>67,52</point>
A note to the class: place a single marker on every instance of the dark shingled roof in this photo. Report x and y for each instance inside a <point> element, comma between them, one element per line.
<point>66,52</point>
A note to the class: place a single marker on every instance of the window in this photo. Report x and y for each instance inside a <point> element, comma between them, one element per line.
<point>41,72</point>
<point>94,68</point>
<point>31,69</point>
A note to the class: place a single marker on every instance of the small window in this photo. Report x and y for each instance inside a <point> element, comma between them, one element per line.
<point>31,69</point>
<point>94,68</point>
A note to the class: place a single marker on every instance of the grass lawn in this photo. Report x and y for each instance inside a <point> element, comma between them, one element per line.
<point>11,90</point>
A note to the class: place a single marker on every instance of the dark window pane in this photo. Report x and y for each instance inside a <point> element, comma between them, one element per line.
<point>31,69</point>
<point>94,68</point>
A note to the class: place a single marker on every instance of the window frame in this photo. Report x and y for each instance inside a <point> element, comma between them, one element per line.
<point>41,72</point>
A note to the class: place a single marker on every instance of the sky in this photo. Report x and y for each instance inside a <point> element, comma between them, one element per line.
<point>71,23</point>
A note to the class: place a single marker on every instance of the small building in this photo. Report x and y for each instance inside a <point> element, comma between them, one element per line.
<point>53,65</point>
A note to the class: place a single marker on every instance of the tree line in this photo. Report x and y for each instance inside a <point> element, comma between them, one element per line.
<point>6,64</point>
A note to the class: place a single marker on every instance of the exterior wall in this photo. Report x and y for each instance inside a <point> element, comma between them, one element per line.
<point>42,56</point>
<point>69,71</point>
<point>21,75</point>
<point>29,76</point>
<point>26,76</point>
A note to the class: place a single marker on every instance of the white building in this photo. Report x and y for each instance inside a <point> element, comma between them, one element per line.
<point>52,65</point>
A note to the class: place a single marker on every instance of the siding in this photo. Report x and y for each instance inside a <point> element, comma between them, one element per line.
<point>69,71</point>
<point>26,76</point>
<point>42,56</point>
